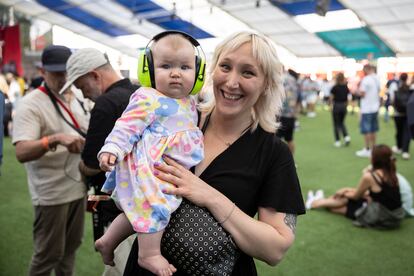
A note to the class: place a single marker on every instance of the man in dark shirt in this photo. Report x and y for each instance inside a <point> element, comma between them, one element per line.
<point>90,71</point>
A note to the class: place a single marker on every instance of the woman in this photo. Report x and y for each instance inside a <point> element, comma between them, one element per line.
<point>247,169</point>
<point>378,184</point>
<point>339,98</point>
<point>399,98</point>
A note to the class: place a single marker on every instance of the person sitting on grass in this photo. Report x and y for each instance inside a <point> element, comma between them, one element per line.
<point>376,201</point>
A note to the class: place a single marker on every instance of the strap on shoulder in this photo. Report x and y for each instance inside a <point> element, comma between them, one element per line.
<point>377,178</point>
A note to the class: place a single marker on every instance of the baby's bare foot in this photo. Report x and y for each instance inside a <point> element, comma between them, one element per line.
<point>106,252</point>
<point>157,264</point>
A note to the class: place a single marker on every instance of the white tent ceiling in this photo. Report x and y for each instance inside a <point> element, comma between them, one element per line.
<point>390,20</point>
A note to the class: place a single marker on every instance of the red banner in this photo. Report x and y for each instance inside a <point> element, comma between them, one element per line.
<point>12,53</point>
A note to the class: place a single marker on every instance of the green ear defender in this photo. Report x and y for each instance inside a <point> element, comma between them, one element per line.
<point>144,70</point>
<point>146,66</point>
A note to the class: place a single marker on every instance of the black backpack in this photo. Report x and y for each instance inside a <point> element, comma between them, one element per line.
<point>401,99</point>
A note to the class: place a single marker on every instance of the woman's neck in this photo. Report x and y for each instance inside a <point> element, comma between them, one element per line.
<point>229,125</point>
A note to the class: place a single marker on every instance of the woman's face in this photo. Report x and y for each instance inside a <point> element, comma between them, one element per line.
<point>238,81</point>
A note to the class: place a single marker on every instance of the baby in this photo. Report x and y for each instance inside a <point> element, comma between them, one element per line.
<point>155,123</point>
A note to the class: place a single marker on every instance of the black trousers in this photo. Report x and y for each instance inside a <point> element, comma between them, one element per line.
<point>338,115</point>
<point>402,135</point>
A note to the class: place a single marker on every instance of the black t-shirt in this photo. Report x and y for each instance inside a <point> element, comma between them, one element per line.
<point>340,93</point>
<point>256,170</point>
<point>108,108</point>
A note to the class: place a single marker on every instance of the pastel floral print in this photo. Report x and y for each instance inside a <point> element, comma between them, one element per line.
<point>151,126</point>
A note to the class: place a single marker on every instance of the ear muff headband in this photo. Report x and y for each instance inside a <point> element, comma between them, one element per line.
<point>146,65</point>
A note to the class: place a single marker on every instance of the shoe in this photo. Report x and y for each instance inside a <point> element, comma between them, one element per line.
<point>319,194</point>
<point>337,144</point>
<point>297,125</point>
<point>347,140</point>
<point>311,114</point>
<point>309,200</point>
<point>363,153</point>
<point>405,156</point>
<point>396,150</point>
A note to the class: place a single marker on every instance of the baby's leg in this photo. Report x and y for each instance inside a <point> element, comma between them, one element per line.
<point>119,230</point>
<point>150,257</point>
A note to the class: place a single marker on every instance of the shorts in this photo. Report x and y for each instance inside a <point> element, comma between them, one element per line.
<point>369,123</point>
<point>352,206</point>
<point>286,129</point>
<point>312,98</point>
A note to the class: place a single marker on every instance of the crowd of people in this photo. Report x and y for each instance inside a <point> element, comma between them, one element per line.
<point>147,153</point>
<point>303,93</point>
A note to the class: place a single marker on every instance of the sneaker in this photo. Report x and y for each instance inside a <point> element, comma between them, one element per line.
<point>405,155</point>
<point>396,150</point>
<point>319,194</point>
<point>311,114</point>
<point>309,199</point>
<point>337,144</point>
<point>363,153</point>
<point>347,140</point>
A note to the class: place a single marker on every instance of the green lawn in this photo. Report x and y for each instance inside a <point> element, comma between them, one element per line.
<point>326,244</point>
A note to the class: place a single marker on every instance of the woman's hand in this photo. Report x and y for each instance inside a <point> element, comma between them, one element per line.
<point>340,193</point>
<point>186,183</point>
<point>344,192</point>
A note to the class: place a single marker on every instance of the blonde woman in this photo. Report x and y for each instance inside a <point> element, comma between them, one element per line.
<point>247,170</point>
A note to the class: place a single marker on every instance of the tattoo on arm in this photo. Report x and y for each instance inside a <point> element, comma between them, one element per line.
<point>290,221</point>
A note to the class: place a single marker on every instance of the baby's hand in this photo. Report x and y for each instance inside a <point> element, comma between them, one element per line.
<point>107,161</point>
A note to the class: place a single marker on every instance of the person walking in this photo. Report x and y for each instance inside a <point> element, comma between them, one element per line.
<point>399,99</point>
<point>339,98</point>
<point>289,112</point>
<point>370,104</point>
<point>48,139</point>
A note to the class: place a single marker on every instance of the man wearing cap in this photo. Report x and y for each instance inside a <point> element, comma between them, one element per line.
<point>90,71</point>
<point>48,138</point>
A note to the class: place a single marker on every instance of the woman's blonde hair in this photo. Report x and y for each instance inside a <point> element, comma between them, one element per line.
<point>269,103</point>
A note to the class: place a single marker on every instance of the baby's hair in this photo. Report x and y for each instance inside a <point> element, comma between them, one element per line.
<point>176,40</point>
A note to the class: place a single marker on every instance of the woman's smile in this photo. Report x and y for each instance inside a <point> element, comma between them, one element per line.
<point>231,96</point>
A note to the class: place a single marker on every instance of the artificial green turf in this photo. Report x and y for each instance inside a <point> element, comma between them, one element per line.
<point>326,244</point>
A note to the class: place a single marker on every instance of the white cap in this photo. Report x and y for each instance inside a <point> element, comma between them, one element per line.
<point>82,62</point>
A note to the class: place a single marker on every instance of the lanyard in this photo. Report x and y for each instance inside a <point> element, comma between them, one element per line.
<point>55,100</point>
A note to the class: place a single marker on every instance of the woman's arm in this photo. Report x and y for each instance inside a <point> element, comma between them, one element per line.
<point>364,184</point>
<point>341,192</point>
<point>266,239</point>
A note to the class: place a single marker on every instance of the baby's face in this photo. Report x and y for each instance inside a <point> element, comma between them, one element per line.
<point>174,66</point>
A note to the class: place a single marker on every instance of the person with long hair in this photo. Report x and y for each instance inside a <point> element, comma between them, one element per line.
<point>378,183</point>
<point>339,99</point>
